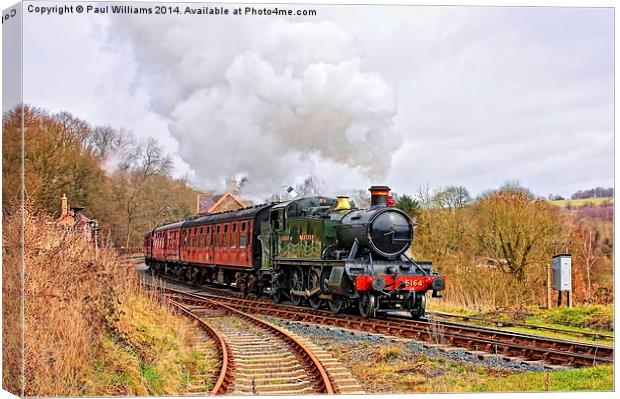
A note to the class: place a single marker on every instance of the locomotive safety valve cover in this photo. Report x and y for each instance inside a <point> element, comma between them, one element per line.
<point>406,283</point>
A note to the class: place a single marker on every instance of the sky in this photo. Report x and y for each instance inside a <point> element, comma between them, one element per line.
<point>406,96</point>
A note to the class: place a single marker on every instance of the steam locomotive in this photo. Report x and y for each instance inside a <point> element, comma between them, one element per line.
<point>315,251</point>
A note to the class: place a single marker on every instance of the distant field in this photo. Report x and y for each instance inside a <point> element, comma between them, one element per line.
<point>582,202</point>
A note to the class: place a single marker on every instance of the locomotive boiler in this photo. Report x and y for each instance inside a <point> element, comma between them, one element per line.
<point>315,251</point>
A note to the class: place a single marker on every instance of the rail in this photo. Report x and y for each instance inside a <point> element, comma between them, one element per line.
<point>225,375</point>
<point>504,323</point>
<point>526,346</point>
<point>316,370</point>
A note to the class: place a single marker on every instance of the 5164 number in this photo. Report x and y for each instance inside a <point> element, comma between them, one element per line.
<point>413,283</point>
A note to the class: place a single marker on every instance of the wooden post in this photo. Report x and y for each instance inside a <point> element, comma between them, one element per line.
<point>548,286</point>
<point>559,298</point>
<point>570,298</point>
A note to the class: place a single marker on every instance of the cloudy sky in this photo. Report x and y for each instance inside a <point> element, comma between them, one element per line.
<point>405,96</point>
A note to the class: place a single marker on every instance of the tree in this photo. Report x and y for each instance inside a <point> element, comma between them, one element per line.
<point>597,192</point>
<point>55,160</point>
<point>589,252</point>
<point>452,197</point>
<point>361,198</point>
<point>311,186</point>
<point>64,154</point>
<point>510,186</point>
<point>409,205</point>
<point>517,232</point>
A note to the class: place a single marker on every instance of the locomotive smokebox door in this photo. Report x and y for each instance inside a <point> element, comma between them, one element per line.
<point>561,268</point>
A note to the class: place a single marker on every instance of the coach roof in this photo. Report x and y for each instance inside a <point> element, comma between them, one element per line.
<point>169,226</point>
<point>245,213</point>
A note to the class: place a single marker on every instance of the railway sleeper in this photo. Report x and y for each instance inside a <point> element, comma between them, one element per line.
<point>270,386</point>
<point>246,369</point>
<point>249,374</point>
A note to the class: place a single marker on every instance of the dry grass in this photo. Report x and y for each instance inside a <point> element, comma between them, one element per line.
<point>89,327</point>
<point>480,288</point>
<point>390,368</point>
<point>11,306</point>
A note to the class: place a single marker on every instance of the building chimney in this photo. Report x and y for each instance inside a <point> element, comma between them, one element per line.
<point>379,195</point>
<point>64,205</point>
<point>232,185</point>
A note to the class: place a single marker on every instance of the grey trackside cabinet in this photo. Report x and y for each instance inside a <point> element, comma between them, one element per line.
<point>561,268</point>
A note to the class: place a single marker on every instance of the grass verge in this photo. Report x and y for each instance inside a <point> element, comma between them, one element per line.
<point>599,378</point>
<point>90,329</point>
<point>392,368</point>
<point>592,319</point>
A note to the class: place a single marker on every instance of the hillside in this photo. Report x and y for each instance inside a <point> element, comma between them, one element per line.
<point>575,203</point>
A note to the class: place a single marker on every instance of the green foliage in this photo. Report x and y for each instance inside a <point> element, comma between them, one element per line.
<point>594,316</point>
<point>153,378</point>
<point>408,205</point>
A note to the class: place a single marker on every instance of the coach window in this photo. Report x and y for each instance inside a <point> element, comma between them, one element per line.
<point>243,238</point>
<point>225,236</point>
<point>233,241</point>
<point>217,236</point>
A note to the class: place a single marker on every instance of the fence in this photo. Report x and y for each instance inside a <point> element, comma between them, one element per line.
<point>131,256</point>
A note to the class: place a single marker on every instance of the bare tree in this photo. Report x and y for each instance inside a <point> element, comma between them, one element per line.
<point>311,186</point>
<point>361,198</point>
<point>516,232</point>
<point>590,254</point>
<point>452,197</point>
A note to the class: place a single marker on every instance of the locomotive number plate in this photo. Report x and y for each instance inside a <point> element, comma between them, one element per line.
<point>413,283</point>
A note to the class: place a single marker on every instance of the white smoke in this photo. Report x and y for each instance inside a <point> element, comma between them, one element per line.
<point>266,98</point>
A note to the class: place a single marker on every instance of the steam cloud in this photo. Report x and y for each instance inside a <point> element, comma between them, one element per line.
<point>269,99</point>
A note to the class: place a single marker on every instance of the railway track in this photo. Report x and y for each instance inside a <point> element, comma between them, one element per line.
<point>503,323</point>
<point>247,344</point>
<point>224,377</point>
<point>481,340</point>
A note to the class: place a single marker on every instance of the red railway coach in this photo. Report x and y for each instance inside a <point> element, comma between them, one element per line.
<point>215,247</point>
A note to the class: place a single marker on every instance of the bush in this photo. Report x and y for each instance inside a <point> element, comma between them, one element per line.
<point>89,328</point>
<point>593,316</point>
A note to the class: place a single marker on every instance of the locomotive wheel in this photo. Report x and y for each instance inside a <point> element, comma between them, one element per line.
<point>276,292</point>
<point>367,305</point>
<point>314,282</point>
<point>336,304</point>
<point>419,310</point>
<point>297,284</point>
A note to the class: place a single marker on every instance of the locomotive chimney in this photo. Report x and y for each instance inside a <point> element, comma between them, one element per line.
<point>64,205</point>
<point>378,195</point>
